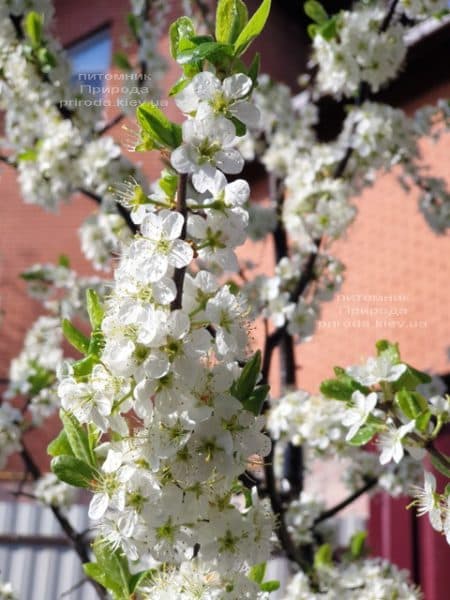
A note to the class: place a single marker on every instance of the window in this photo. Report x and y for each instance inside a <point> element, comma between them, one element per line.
<point>91,56</point>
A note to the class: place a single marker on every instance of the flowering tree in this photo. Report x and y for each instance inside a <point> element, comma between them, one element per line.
<point>196,472</point>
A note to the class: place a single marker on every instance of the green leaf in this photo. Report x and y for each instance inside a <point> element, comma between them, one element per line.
<point>231,18</point>
<point>60,445</point>
<point>316,12</point>
<point>82,368</point>
<point>135,580</point>
<point>364,435</point>
<point>134,24</point>
<point>270,586</point>
<point>243,387</point>
<point>212,51</point>
<point>77,437</point>
<point>253,70</point>
<point>323,556</point>
<point>120,59</point>
<point>412,404</point>
<point>178,86</point>
<point>33,27</point>
<point>46,59</point>
<point>64,261</point>
<point>329,29</point>
<point>77,339</point>
<point>257,573</point>
<point>169,183</point>
<point>438,463</point>
<point>115,568</point>
<point>74,471</point>
<point>410,379</point>
<point>255,401</point>
<point>253,28</point>
<point>95,308</point>
<point>342,387</point>
<point>312,30</point>
<point>357,544</point>
<point>423,420</point>
<point>241,129</point>
<point>28,155</point>
<point>181,29</point>
<point>157,126</point>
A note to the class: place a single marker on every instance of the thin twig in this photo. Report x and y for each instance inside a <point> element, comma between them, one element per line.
<point>327,514</point>
<point>74,538</point>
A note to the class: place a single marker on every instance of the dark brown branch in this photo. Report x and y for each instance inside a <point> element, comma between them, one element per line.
<point>371,483</point>
<point>182,209</point>
<point>123,212</point>
<point>112,123</point>
<point>75,539</point>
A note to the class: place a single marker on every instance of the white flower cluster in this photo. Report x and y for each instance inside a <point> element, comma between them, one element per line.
<point>304,419</point>
<point>10,431</point>
<point>32,372</point>
<point>422,9</point>
<point>370,579</point>
<point>390,406</point>
<point>171,354</point>
<point>53,492</point>
<point>195,579</point>
<point>360,52</point>
<point>53,142</point>
<point>102,236</point>
<point>300,517</point>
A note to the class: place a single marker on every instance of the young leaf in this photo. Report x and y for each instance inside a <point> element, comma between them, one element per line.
<point>364,435</point>
<point>94,308</point>
<point>77,437</point>
<point>64,261</point>
<point>73,470</point>
<point>253,28</point>
<point>211,51</point>
<point>178,86</point>
<point>244,386</point>
<point>256,399</point>
<point>412,404</point>
<point>33,27</point>
<point>60,445</point>
<point>357,544</point>
<point>253,70</point>
<point>323,556</point>
<point>315,12</point>
<point>410,379</point>
<point>182,29</point>
<point>82,368</point>
<point>115,566</point>
<point>77,339</point>
<point>270,586</point>
<point>231,18</point>
<point>120,59</point>
<point>257,573</point>
<point>341,388</point>
<point>157,126</point>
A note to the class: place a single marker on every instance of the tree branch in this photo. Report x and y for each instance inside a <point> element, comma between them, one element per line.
<point>346,502</point>
<point>76,541</point>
